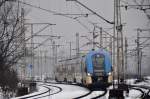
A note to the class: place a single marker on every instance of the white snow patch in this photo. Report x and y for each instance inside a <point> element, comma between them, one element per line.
<point>134,94</point>
<point>40,90</point>
<point>69,91</point>
<point>1,96</point>
<point>72,91</point>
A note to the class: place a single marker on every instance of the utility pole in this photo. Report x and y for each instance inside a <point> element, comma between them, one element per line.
<point>93,41</point>
<point>77,55</point>
<point>120,58</point>
<point>105,40</point>
<point>70,49</point>
<point>126,58</point>
<point>119,63</point>
<point>141,55</point>
<point>138,54</point>
<point>41,64</point>
<point>114,66</point>
<point>101,37</point>
<point>32,53</point>
<point>38,64</point>
<point>77,45</point>
<point>111,47</point>
<point>54,51</point>
<point>45,59</point>
<point>54,56</point>
<point>24,44</point>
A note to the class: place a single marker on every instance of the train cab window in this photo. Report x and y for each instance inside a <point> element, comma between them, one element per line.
<point>98,60</point>
<point>98,63</point>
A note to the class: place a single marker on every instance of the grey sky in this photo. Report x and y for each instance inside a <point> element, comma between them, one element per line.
<point>67,27</point>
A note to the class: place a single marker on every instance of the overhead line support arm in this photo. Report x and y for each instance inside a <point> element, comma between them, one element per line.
<point>92,11</point>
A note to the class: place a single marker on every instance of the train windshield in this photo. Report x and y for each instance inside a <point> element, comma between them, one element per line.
<point>98,64</point>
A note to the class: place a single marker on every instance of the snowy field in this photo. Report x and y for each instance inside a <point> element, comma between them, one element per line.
<point>1,96</point>
<point>68,92</point>
<point>72,91</point>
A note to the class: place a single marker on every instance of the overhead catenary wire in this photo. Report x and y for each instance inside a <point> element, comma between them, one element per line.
<point>107,21</point>
<point>139,6</point>
<point>44,9</point>
<point>37,32</point>
<point>38,7</point>
<point>56,13</point>
<point>64,15</point>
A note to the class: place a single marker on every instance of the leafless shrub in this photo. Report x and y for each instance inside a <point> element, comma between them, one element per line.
<point>12,39</point>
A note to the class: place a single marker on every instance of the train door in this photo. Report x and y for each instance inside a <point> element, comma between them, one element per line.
<point>98,66</point>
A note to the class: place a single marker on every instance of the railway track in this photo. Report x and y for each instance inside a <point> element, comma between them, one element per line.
<point>92,97</point>
<point>85,95</point>
<point>138,89</point>
<point>141,88</point>
<point>43,94</point>
<point>49,94</point>
<point>32,96</point>
<point>145,94</point>
<point>53,89</point>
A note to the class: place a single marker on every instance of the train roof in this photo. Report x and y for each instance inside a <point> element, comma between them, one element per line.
<point>90,53</point>
<point>100,51</point>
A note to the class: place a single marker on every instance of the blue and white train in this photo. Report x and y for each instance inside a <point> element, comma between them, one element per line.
<point>94,67</point>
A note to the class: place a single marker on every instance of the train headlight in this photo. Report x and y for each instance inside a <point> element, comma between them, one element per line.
<point>109,73</point>
<point>88,74</point>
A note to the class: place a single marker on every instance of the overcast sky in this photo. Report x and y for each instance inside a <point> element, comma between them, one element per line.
<point>67,27</point>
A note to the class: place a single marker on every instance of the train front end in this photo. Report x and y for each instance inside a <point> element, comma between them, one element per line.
<point>98,67</point>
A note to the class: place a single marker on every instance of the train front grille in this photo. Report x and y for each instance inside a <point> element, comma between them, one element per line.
<point>99,72</point>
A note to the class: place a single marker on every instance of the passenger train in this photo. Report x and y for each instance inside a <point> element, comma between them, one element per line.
<point>93,67</point>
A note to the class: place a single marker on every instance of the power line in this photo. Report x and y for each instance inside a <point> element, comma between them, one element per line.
<point>37,32</point>
<point>47,10</point>
<point>92,11</point>
<point>34,6</point>
<point>57,13</point>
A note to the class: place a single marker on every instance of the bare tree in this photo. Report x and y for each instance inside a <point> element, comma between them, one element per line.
<point>12,40</point>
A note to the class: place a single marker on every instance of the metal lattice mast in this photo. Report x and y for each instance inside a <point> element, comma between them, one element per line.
<point>32,53</point>
<point>101,37</point>
<point>77,45</point>
<point>138,54</point>
<point>23,41</point>
<point>120,58</point>
<point>126,58</point>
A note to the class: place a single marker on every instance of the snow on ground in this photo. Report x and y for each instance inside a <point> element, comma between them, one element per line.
<point>69,91</point>
<point>148,77</point>
<point>72,91</point>
<point>134,94</point>
<point>40,89</point>
<point>130,81</point>
<point>1,96</point>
